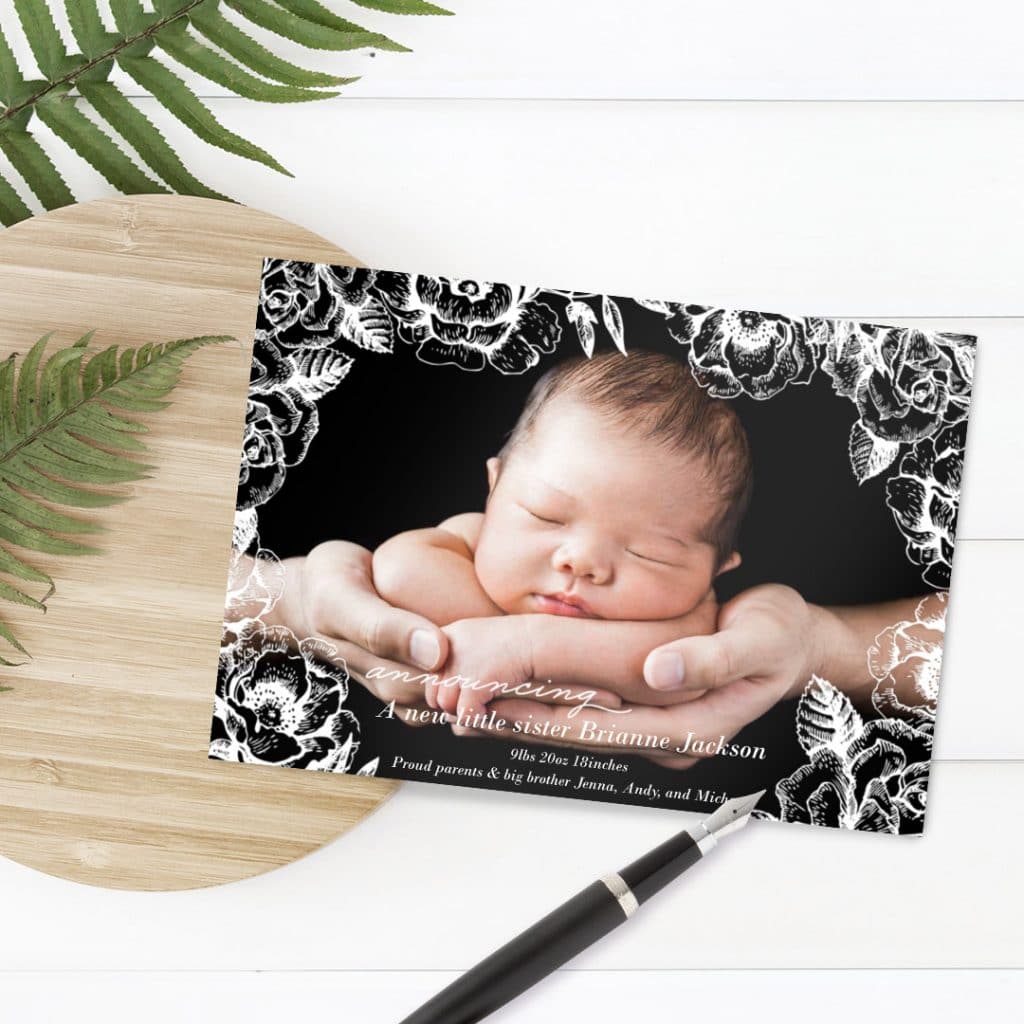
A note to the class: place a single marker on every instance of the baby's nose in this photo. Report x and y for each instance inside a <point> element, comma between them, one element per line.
<point>584,561</point>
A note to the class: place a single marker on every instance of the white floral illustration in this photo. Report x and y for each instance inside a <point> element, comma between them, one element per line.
<point>866,775</point>
<point>282,704</point>
<point>872,775</point>
<point>905,661</point>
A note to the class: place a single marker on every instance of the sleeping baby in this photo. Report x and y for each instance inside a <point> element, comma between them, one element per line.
<point>613,505</point>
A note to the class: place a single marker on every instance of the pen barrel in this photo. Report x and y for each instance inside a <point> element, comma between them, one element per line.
<point>531,956</point>
<point>650,873</point>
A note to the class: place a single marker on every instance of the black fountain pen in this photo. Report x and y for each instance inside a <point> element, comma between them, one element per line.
<point>578,923</point>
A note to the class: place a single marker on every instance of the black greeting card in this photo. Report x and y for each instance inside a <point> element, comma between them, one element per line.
<point>634,550</point>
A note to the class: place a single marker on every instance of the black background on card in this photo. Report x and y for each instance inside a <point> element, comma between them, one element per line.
<point>403,445</point>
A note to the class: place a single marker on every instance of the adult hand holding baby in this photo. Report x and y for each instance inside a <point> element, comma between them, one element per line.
<point>767,634</point>
<point>768,644</point>
<point>330,594</point>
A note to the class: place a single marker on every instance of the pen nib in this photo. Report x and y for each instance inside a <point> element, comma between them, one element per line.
<point>732,815</point>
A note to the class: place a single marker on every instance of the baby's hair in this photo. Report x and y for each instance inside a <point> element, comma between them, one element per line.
<point>656,396</point>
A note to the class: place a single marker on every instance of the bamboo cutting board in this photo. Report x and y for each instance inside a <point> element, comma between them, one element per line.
<point>103,770</point>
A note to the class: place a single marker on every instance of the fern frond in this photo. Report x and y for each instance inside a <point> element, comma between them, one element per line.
<point>402,6</point>
<point>60,441</point>
<point>121,142</point>
<point>34,165</point>
<point>223,33</point>
<point>188,108</point>
<point>143,136</point>
<point>67,122</point>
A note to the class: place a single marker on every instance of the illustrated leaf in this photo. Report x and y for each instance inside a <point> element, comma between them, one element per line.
<point>612,316</point>
<point>826,718</point>
<point>60,443</point>
<point>655,305</point>
<point>193,33</point>
<point>870,455</point>
<point>368,326</point>
<point>321,370</point>
<point>583,318</point>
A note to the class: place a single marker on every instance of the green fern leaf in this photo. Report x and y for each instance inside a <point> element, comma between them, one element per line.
<point>42,35</point>
<point>32,163</point>
<point>188,108</point>
<point>316,34</point>
<point>87,26</point>
<point>10,76</point>
<point>7,635</point>
<point>60,441</point>
<point>12,207</point>
<point>314,11</point>
<point>13,594</point>
<point>130,17</point>
<point>212,65</point>
<point>402,6</point>
<point>67,122</point>
<point>191,32</point>
<point>221,32</point>
<point>144,137</point>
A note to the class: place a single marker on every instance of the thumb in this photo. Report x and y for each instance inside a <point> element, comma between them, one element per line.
<point>393,633</point>
<point>704,662</point>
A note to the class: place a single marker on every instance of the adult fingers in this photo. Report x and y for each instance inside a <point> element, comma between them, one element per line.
<point>348,608</point>
<point>387,680</point>
<point>743,649</point>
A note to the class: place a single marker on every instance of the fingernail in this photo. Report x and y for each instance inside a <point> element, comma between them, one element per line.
<point>666,671</point>
<point>424,648</point>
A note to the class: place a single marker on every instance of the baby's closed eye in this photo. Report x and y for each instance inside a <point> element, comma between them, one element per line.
<point>647,557</point>
<point>544,516</point>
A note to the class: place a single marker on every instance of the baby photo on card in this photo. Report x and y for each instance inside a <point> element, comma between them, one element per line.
<point>624,549</point>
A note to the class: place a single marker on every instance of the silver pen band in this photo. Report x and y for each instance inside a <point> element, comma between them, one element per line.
<point>622,892</point>
<point>704,839</point>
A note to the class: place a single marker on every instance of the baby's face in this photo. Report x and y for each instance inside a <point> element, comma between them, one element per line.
<point>586,522</point>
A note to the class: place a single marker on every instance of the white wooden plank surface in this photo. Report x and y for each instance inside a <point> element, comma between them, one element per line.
<point>839,209</point>
<point>598,997</point>
<point>680,49</point>
<point>441,875</point>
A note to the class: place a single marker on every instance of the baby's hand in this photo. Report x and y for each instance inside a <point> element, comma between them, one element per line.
<point>481,652</point>
<point>487,659</point>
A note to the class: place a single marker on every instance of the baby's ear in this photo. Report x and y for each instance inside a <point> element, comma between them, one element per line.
<point>493,472</point>
<point>730,563</point>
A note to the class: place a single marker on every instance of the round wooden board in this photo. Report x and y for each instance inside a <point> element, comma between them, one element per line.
<point>104,776</point>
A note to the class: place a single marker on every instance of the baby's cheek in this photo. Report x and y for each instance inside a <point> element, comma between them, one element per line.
<point>652,596</point>
<point>494,571</point>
